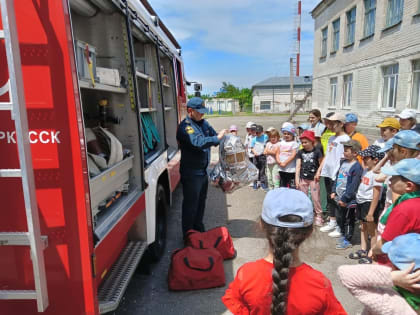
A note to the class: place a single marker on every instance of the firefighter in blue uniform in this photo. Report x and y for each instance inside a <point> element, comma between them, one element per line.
<point>195,137</point>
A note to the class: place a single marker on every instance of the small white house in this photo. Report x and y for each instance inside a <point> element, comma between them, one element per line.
<point>273,94</point>
<point>219,105</point>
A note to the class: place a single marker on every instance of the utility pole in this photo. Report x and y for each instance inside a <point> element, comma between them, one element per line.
<point>299,19</point>
<point>272,108</point>
<point>291,86</point>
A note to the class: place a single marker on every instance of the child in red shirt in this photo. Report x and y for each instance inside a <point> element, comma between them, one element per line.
<point>403,216</point>
<point>281,283</point>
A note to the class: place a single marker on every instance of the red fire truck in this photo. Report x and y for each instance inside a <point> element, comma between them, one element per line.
<point>91,93</point>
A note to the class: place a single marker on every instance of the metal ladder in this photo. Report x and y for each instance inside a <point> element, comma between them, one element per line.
<point>17,106</point>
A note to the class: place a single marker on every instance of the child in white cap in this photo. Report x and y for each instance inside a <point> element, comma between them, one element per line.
<point>278,283</point>
<point>330,165</point>
<point>408,119</point>
<point>250,134</point>
<point>286,156</point>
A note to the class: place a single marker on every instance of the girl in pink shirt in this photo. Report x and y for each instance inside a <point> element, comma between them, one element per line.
<point>286,157</point>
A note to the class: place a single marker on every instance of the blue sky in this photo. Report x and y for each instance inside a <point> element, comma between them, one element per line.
<point>239,41</point>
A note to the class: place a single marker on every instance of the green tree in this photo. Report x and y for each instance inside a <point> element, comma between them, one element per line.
<point>244,95</point>
<point>228,90</point>
<point>245,99</point>
<point>203,96</point>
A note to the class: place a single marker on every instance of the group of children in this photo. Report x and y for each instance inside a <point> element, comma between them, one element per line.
<point>359,190</point>
<point>325,154</point>
<point>287,158</point>
<point>379,184</point>
<point>274,155</point>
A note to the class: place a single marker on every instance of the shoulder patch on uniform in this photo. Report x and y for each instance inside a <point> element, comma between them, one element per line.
<point>189,130</point>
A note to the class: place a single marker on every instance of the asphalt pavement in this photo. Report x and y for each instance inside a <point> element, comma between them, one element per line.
<point>148,292</point>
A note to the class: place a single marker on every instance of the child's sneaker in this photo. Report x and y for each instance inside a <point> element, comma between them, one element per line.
<point>344,244</point>
<point>329,226</point>
<point>264,187</point>
<point>318,221</point>
<point>339,239</point>
<point>255,186</point>
<point>335,233</point>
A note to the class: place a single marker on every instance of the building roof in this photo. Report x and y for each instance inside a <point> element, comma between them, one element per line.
<point>284,82</point>
<point>320,7</point>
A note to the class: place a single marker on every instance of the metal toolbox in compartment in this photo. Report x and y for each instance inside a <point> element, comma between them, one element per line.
<point>108,182</point>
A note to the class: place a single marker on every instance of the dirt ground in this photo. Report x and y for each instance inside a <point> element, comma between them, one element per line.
<point>239,211</point>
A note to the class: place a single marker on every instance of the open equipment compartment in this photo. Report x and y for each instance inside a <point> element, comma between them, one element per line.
<point>149,94</point>
<point>169,101</point>
<point>111,119</point>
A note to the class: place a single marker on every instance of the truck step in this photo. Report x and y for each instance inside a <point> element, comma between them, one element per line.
<point>5,106</point>
<point>18,295</point>
<point>20,239</point>
<point>10,173</point>
<point>112,289</point>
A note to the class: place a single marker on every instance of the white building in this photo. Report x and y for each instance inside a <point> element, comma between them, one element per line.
<point>216,105</point>
<point>367,57</point>
<point>273,94</point>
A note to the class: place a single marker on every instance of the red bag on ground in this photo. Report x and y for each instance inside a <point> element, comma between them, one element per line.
<point>193,269</point>
<point>218,238</point>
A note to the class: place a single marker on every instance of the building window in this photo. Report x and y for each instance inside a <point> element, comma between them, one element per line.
<point>370,12</point>
<point>336,35</point>
<point>333,92</point>
<point>265,105</point>
<point>395,12</point>
<point>390,82</point>
<point>347,87</point>
<point>415,96</point>
<point>324,42</point>
<point>351,25</point>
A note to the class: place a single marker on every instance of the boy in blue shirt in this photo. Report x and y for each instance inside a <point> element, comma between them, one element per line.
<point>257,148</point>
<point>344,193</point>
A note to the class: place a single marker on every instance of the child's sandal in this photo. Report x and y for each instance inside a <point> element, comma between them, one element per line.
<point>358,255</point>
<point>365,260</point>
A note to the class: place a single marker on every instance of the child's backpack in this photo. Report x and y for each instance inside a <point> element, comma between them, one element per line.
<point>218,238</point>
<point>193,269</point>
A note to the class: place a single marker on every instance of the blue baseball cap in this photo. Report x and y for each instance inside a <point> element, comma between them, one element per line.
<point>304,126</point>
<point>408,139</point>
<point>197,104</point>
<point>290,129</point>
<point>407,168</point>
<point>404,250</point>
<point>350,118</point>
<point>388,146</point>
<point>282,201</point>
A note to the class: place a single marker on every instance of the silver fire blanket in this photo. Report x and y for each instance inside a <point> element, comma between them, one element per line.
<point>234,170</point>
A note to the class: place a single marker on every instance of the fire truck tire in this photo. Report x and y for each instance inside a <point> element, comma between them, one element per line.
<point>156,249</point>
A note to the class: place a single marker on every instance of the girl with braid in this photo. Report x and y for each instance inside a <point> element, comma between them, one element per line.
<point>281,283</point>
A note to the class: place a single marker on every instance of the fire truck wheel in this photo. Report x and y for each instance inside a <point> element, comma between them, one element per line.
<point>157,248</point>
